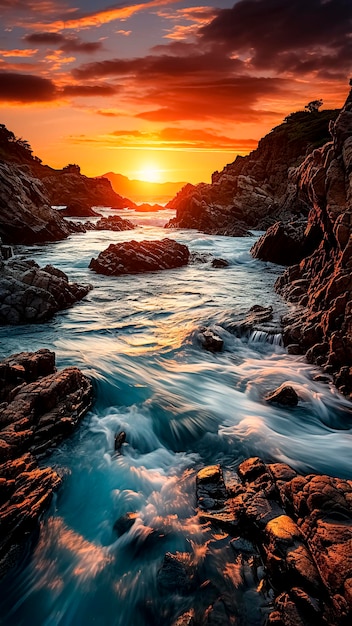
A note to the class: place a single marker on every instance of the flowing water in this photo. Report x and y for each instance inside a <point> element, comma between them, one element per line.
<point>181,408</point>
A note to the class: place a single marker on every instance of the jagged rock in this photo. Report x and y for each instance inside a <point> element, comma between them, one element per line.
<point>257,190</point>
<point>285,395</point>
<point>286,244</point>
<point>187,619</point>
<point>125,522</point>
<point>322,283</point>
<point>302,528</point>
<point>114,222</point>
<point>143,256</point>
<point>29,293</point>
<point>76,209</point>
<point>220,263</point>
<point>25,213</point>
<point>39,408</point>
<point>120,439</point>
<point>210,340</point>
<point>175,575</point>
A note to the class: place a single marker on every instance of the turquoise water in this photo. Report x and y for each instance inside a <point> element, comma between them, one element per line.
<point>181,408</point>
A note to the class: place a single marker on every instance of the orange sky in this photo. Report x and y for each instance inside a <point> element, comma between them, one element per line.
<point>163,89</point>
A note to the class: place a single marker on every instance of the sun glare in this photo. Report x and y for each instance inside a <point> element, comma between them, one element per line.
<point>149,174</point>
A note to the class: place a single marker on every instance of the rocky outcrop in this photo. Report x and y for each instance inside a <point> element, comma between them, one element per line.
<point>25,213</point>
<point>75,209</point>
<point>254,191</point>
<point>287,243</point>
<point>293,532</point>
<point>114,222</point>
<point>29,293</point>
<point>39,407</point>
<point>132,257</point>
<point>321,284</point>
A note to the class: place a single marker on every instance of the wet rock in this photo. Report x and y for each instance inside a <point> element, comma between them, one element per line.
<point>210,340</point>
<point>77,209</point>
<point>284,395</point>
<point>143,256</point>
<point>29,293</point>
<point>114,222</point>
<point>124,523</point>
<point>120,439</point>
<point>174,575</point>
<point>220,263</point>
<point>187,619</point>
<point>255,319</point>
<point>286,244</point>
<point>39,408</point>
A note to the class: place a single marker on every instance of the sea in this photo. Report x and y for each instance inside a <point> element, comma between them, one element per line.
<point>182,408</point>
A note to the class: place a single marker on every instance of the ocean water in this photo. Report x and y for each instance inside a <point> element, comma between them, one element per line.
<point>181,408</point>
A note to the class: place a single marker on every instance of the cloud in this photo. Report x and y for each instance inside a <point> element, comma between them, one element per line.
<point>26,88</point>
<point>74,19</point>
<point>299,36</point>
<point>27,53</point>
<point>89,90</point>
<point>171,138</point>
<point>65,43</point>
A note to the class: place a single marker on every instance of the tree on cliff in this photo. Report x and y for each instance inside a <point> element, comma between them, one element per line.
<point>314,106</point>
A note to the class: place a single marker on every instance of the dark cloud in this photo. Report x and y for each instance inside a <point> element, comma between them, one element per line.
<point>89,90</point>
<point>26,88</point>
<point>296,35</point>
<point>66,44</point>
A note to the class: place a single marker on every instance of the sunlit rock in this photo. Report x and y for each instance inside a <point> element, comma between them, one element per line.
<point>285,395</point>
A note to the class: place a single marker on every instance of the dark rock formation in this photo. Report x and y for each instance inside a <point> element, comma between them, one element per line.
<point>210,340</point>
<point>321,285</point>
<point>39,407</point>
<point>220,263</point>
<point>132,257</point>
<point>254,191</point>
<point>301,526</point>
<point>25,213</point>
<point>29,293</point>
<point>75,209</point>
<point>285,395</point>
<point>120,439</point>
<point>288,243</point>
<point>114,222</point>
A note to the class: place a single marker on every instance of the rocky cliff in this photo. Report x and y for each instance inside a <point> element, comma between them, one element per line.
<point>28,189</point>
<point>321,284</point>
<point>254,191</point>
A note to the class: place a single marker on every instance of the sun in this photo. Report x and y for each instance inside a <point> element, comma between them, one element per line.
<point>149,174</point>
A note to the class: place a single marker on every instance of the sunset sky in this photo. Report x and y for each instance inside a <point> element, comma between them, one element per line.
<point>163,89</point>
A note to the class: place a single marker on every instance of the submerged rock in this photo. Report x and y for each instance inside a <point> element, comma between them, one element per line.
<point>39,407</point>
<point>210,340</point>
<point>132,257</point>
<point>29,293</point>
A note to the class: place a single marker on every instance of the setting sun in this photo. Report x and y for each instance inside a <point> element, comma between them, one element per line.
<point>149,174</point>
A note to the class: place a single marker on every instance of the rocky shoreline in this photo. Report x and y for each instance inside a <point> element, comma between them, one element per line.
<point>39,407</point>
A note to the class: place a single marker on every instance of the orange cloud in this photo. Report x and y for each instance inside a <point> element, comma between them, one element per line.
<point>29,52</point>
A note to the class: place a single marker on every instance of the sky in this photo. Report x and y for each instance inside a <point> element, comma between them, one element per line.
<point>165,90</point>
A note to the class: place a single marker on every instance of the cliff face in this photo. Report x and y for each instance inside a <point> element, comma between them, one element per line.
<point>25,214</point>
<point>28,189</point>
<point>321,284</point>
<point>254,191</point>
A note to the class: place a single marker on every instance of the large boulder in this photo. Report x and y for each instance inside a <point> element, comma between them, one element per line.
<point>39,407</point>
<point>132,257</point>
<point>287,243</point>
<point>114,222</point>
<point>29,293</point>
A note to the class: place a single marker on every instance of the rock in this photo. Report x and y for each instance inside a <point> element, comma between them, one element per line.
<point>114,222</point>
<point>29,293</point>
<point>322,323</point>
<point>220,263</point>
<point>284,395</point>
<point>120,439</point>
<point>286,244</point>
<point>39,408</point>
<point>187,619</point>
<point>257,190</point>
<point>25,213</point>
<point>144,256</point>
<point>210,340</point>
<point>301,526</point>
<point>76,209</point>
<point>174,575</point>
<point>125,522</point>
